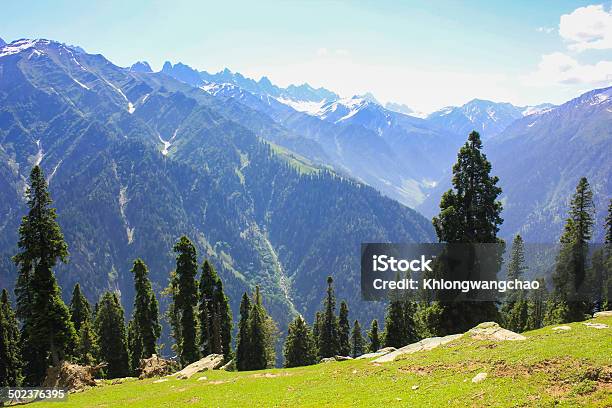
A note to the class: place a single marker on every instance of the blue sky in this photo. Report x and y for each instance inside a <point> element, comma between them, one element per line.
<point>424,54</point>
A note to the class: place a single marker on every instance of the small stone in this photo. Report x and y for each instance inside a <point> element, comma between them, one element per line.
<point>596,325</point>
<point>415,387</point>
<point>561,328</point>
<point>479,377</point>
<point>202,378</point>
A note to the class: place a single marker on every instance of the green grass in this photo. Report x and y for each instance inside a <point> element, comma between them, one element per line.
<point>565,369</point>
<point>299,163</point>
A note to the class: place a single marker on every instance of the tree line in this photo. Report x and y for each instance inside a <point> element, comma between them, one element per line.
<point>43,330</point>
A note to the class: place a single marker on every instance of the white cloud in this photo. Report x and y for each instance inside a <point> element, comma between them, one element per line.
<point>587,27</point>
<point>560,68</point>
<point>546,30</point>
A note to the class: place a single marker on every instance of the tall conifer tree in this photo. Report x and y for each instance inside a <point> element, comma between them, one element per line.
<point>299,347</point>
<point>214,314</point>
<point>48,334</point>
<point>344,329</point>
<point>80,310</point>
<point>469,214</point>
<point>514,309</point>
<point>374,337</point>
<point>145,318</point>
<point>328,331</point>
<point>243,345</point>
<point>185,299</point>
<point>357,345</point>
<point>110,329</point>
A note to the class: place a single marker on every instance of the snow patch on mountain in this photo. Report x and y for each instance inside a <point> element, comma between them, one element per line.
<point>308,107</point>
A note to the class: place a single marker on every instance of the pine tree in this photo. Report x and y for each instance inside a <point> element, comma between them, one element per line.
<point>186,298</point>
<point>214,314</point>
<point>328,331</point>
<point>80,310</point>
<point>144,329</point>
<point>568,302</point>
<point>514,310</point>
<point>243,345</point>
<point>261,332</point>
<point>469,214</point>
<point>344,329</point>
<point>172,315</point>
<point>87,349</point>
<point>357,340</point>
<point>299,347</point>
<point>396,332</point>
<point>110,329</point>
<point>48,334</point>
<point>316,331</point>
<point>374,338</point>
<point>537,307</point>
<point>10,357</point>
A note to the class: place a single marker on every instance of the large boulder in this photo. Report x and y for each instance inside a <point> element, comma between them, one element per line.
<point>423,345</point>
<point>377,353</point>
<point>210,362</point>
<point>606,313</point>
<point>493,331</point>
<point>156,366</point>
<point>72,377</point>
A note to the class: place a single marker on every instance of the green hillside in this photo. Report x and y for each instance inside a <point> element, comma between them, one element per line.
<point>551,368</point>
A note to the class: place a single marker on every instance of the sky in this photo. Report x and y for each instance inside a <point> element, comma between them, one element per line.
<point>426,55</point>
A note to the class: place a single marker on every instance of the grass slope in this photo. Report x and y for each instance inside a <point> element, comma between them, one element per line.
<point>566,368</point>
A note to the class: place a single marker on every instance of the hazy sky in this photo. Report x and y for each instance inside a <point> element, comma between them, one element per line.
<point>424,54</point>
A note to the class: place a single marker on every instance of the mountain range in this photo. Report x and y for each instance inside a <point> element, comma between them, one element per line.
<point>278,186</point>
<point>135,159</point>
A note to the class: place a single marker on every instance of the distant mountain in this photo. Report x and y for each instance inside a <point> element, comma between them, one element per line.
<point>141,66</point>
<point>486,117</point>
<point>136,159</point>
<point>403,108</point>
<point>2,42</point>
<point>298,93</point>
<point>540,158</point>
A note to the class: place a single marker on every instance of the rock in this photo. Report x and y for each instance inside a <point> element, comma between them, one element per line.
<point>327,360</point>
<point>370,355</point>
<point>343,358</point>
<point>493,331</point>
<point>414,387</point>
<point>386,350</point>
<point>230,366</point>
<point>423,345</point>
<point>202,378</point>
<point>210,362</point>
<point>479,377</point>
<point>596,325</point>
<point>156,366</point>
<point>561,328</point>
<point>73,377</point>
<point>606,313</point>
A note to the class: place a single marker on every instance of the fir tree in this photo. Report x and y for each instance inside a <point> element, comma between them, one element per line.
<point>568,298</point>
<point>344,329</point>
<point>396,331</point>
<point>261,342</point>
<point>374,337</point>
<point>214,314</point>
<point>299,347</point>
<point>80,310</point>
<point>87,349</point>
<point>185,298</point>
<point>316,331</point>
<point>243,345</point>
<point>48,334</point>
<point>328,331</point>
<point>537,307</point>
<point>145,320</point>
<point>172,315</point>
<point>357,340</point>
<point>110,329</point>
<point>10,358</point>
<point>514,310</point>
<point>469,214</point>
<point>134,346</point>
